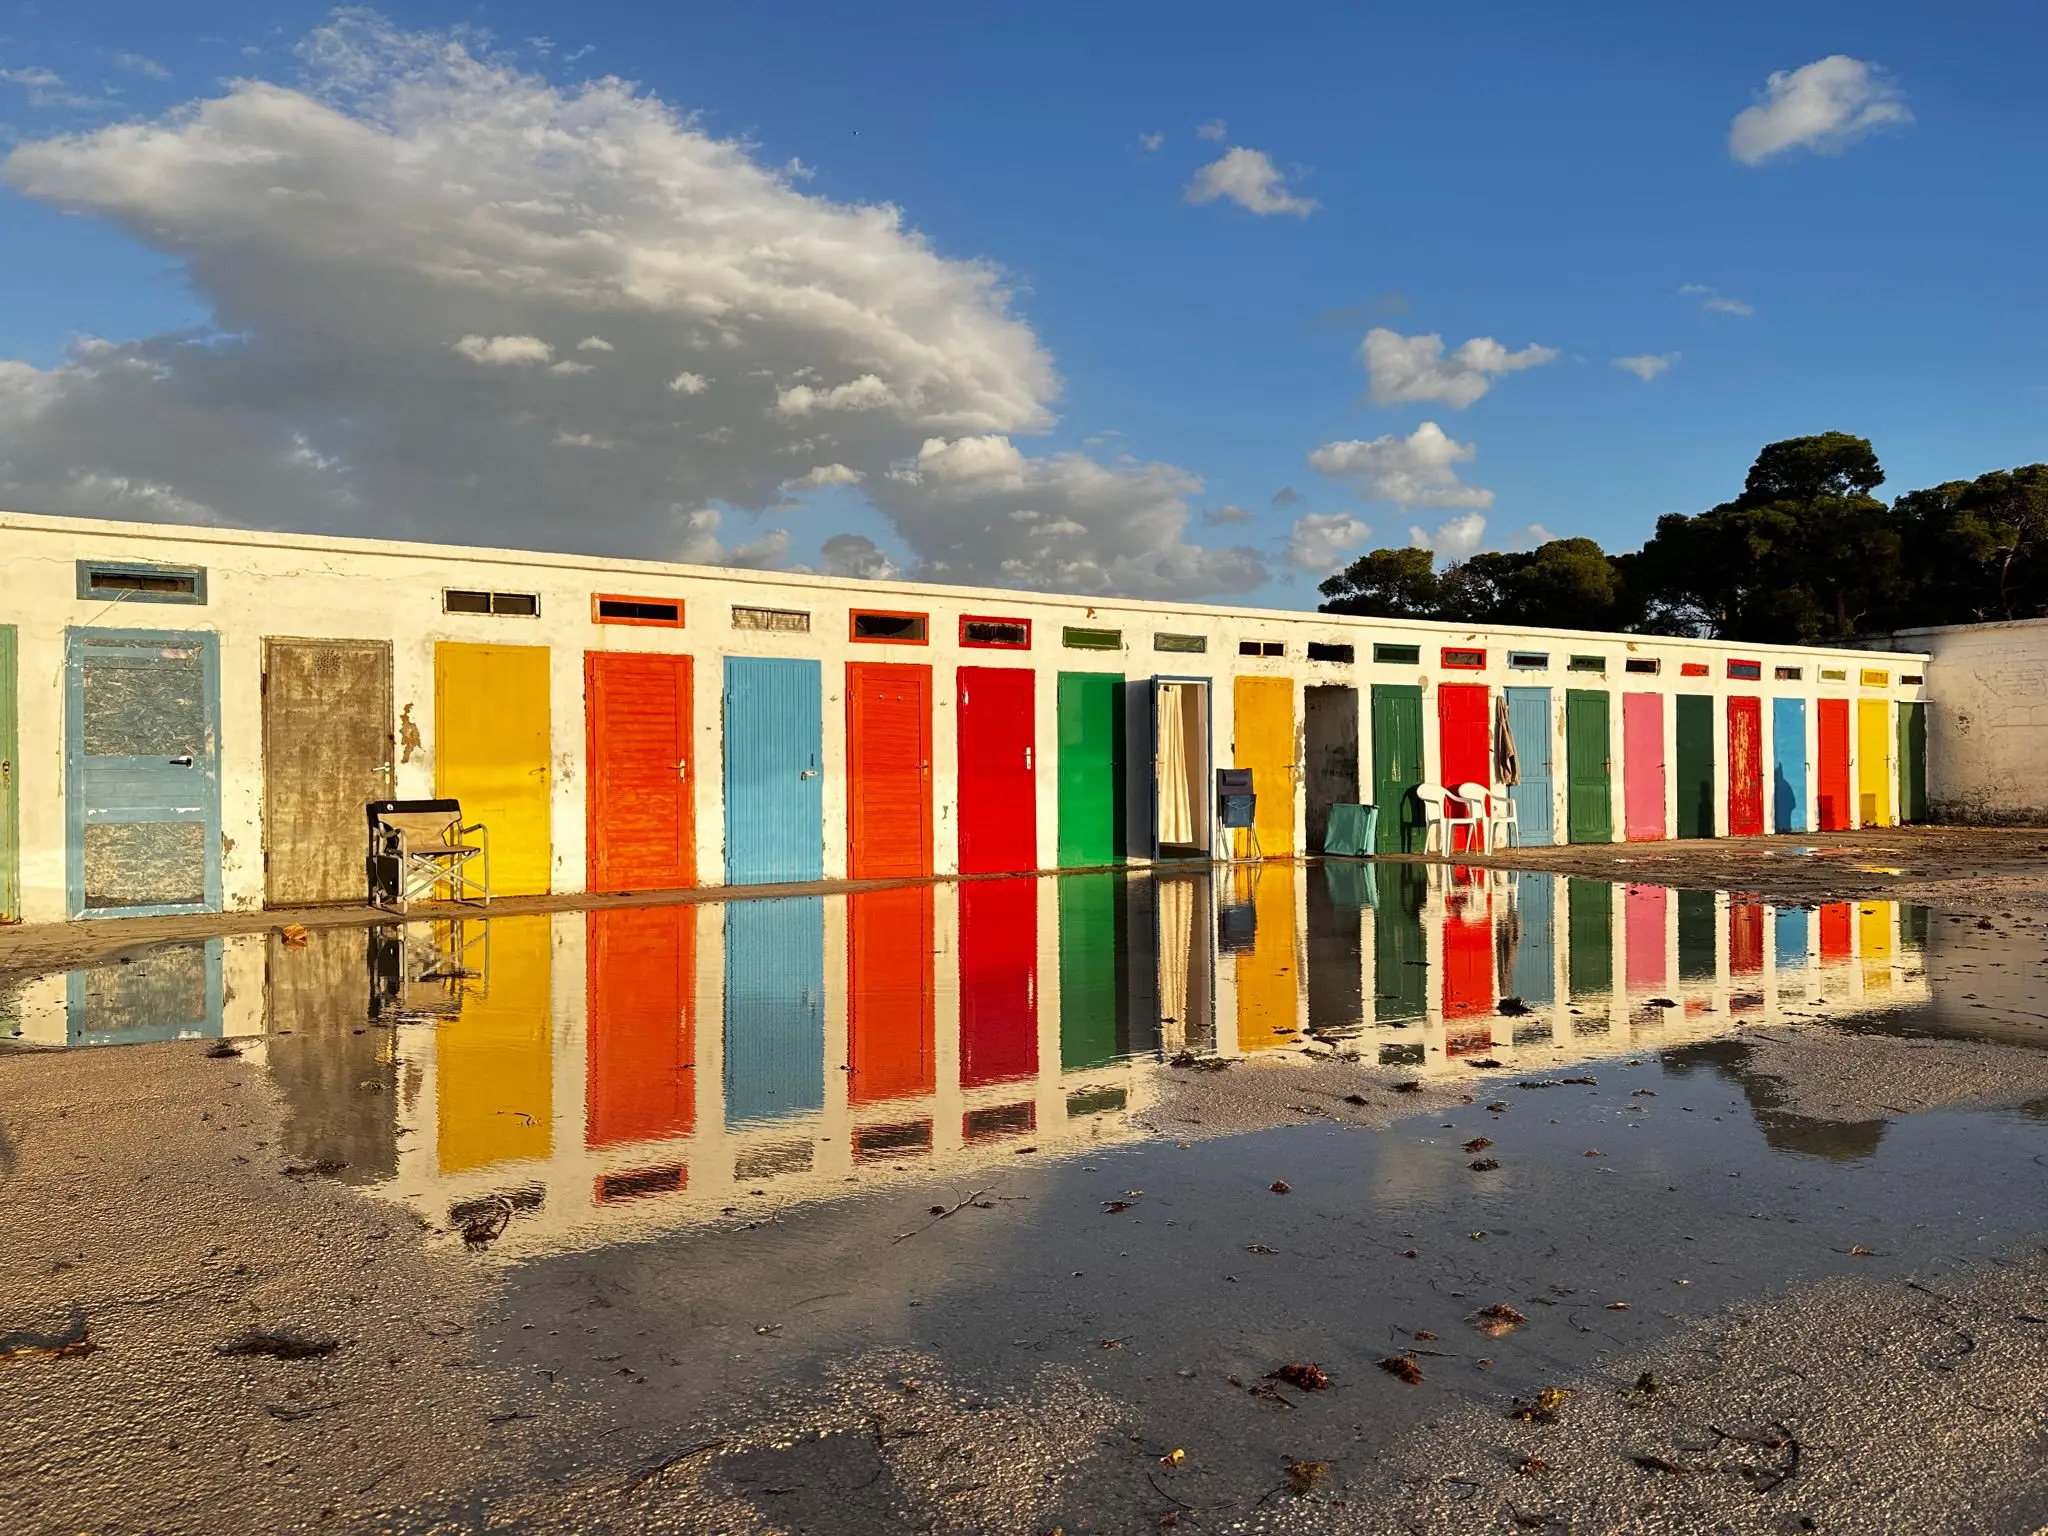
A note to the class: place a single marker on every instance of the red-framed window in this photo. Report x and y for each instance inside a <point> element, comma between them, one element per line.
<point>1749,671</point>
<point>1692,669</point>
<point>1459,660</point>
<point>988,632</point>
<point>617,608</point>
<point>881,626</point>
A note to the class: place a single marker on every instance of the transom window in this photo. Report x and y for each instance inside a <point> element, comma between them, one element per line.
<point>1788,674</point>
<point>1001,634</point>
<point>888,628</point>
<point>609,609</point>
<point>134,582</point>
<point>1748,671</point>
<point>522,605</point>
<point>1187,644</point>
<point>1078,639</point>
<point>1324,650</point>
<point>1875,679</point>
<point>789,621</point>
<point>1262,648</point>
<point>1529,661</point>
<point>1648,664</point>
<point>1587,664</point>
<point>1398,655</point>
<point>1464,660</point>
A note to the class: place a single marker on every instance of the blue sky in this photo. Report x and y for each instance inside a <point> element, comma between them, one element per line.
<point>1563,182</point>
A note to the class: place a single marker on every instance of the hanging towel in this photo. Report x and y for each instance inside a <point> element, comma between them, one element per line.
<point>1506,769</point>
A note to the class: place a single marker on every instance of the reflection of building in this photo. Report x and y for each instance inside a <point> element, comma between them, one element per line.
<point>631,1069</point>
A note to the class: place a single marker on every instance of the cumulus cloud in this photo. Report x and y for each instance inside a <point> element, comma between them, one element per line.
<point>1320,540</point>
<point>402,249</point>
<point>822,475</point>
<point>1646,365</point>
<point>1455,537</point>
<point>855,555</point>
<point>1150,141</point>
<point>1215,130</point>
<point>46,89</point>
<point>1720,303</point>
<point>1249,179</point>
<point>1402,370</point>
<point>137,64</point>
<point>1227,515</point>
<point>1824,106</point>
<point>1419,470</point>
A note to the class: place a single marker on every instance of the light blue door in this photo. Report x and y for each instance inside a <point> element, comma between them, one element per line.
<point>1788,765</point>
<point>774,798</point>
<point>1529,719</point>
<point>1535,958</point>
<point>142,772</point>
<point>173,992</point>
<point>774,1008</point>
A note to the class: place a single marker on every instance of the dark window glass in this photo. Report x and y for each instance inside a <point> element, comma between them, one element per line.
<point>888,626</point>
<point>1746,669</point>
<point>519,604</point>
<point>1321,650</point>
<point>1092,639</point>
<point>466,602</point>
<point>1587,664</point>
<point>1465,660</point>
<point>1642,664</point>
<point>124,581</point>
<point>1529,661</point>
<point>1012,633</point>
<point>645,610</point>
<point>1788,674</point>
<point>1398,655</point>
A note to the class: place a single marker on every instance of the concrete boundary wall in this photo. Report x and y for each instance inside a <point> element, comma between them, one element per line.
<point>1987,721</point>
<point>266,585</point>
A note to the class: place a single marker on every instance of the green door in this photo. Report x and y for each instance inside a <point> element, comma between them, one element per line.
<point>1091,710</point>
<point>10,793</point>
<point>1695,765</point>
<point>1912,762</point>
<point>1589,786</point>
<point>1397,765</point>
<point>1590,964</point>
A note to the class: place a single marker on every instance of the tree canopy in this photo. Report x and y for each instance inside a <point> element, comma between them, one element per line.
<point>1806,552</point>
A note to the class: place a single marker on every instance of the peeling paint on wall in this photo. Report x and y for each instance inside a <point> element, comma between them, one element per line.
<point>408,735</point>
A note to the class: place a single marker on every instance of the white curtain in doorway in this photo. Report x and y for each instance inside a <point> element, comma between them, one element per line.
<point>1176,756</point>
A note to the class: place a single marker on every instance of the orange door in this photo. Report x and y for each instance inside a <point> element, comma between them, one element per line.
<point>642,1078</point>
<point>889,760</point>
<point>642,825</point>
<point>889,993</point>
<point>1837,811</point>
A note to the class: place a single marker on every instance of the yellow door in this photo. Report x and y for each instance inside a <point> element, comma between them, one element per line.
<point>493,1062</point>
<point>1873,763</point>
<point>491,753</point>
<point>1264,708</point>
<point>1268,973</point>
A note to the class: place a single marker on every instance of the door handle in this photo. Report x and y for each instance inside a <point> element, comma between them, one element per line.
<point>1027,758</point>
<point>182,762</point>
<point>808,773</point>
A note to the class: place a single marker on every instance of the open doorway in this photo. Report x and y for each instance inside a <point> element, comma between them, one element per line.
<point>1180,768</point>
<point>1329,756</point>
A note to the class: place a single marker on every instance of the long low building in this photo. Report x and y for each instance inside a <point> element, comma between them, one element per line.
<point>194,718</point>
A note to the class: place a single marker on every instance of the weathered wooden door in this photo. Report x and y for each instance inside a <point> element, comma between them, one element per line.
<point>888,769</point>
<point>774,797</point>
<point>1589,775</point>
<point>1329,756</point>
<point>1397,765</point>
<point>1912,763</point>
<point>1642,766</point>
<point>998,805</point>
<point>326,755</point>
<point>1529,721</point>
<point>1836,813</point>
<point>1695,765</point>
<point>1873,763</point>
<point>1091,769</point>
<point>1263,741</point>
<point>1745,767</point>
<point>641,824</point>
<point>1788,765</point>
<point>10,787</point>
<point>142,772</point>
<point>491,752</point>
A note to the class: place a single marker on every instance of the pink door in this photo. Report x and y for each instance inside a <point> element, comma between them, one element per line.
<point>1642,765</point>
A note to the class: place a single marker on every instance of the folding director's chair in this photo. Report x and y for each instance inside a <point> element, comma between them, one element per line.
<point>421,849</point>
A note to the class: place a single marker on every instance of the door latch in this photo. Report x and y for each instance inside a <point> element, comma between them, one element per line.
<point>182,762</point>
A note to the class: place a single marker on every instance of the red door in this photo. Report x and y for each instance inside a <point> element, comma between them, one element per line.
<point>641,822</point>
<point>889,993</point>
<point>1836,808</point>
<point>1745,767</point>
<point>1465,737</point>
<point>889,769</point>
<point>998,783</point>
<point>641,1082</point>
<point>998,981</point>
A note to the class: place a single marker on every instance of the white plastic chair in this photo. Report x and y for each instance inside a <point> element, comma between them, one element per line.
<point>1470,800</point>
<point>1503,826</point>
<point>1431,798</point>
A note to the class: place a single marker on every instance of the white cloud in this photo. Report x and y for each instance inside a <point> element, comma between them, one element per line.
<point>45,88</point>
<point>398,250</point>
<point>1228,515</point>
<point>1646,365</point>
<point>1406,369</point>
<point>1215,130</point>
<point>1320,540</point>
<point>1715,300</point>
<point>1150,141</point>
<point>136,64</point>
<point>855,555</point>
<point>1246,177</point>
<point>824,474</point>
<point>1455,537</point>
<point>1418,470</point>
<point>595,344</point>
<point>570,367</point>
<point>1824,106</point>
<point>1529,536</point>
<point>504,351</point>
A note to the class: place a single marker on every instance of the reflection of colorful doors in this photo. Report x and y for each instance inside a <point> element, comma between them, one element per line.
<point>1745,767</point>
<point>1091,769</point>
<point>998,981</point>
<point>1590,923</point>
<point>1589,784</point>
<point>1837,941</point>
<point>1647,909</point>
<point>491,752</point>
<point>1400,954</point>
<point>1263,739</point>
<point>774,1008</point>
<point>1642,766</point>
<point>1094,1007</point>
<point>642,827</point>
<point>1397,765</point>
<point>1788,765</point>
<point>1268,973</point>
<point>494,1077</point>
<point>1529,722</point>
<point>1873,763</point>
<point>1695,775</point>
<point>10,786</point>
<point>1745,938</point>
<point>888,769</point>
<point>1698,954</point>
<point>1468,951</point>
<point>998,779</point>
<point>1836,813</point>
<point>1535,913</point>
<point>642,1009</point>
<point>889,1003</point>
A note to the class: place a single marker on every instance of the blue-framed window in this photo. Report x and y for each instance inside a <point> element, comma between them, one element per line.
<point>134,581</point>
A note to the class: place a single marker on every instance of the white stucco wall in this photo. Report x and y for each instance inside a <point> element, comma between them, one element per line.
<point>1987,720</point>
